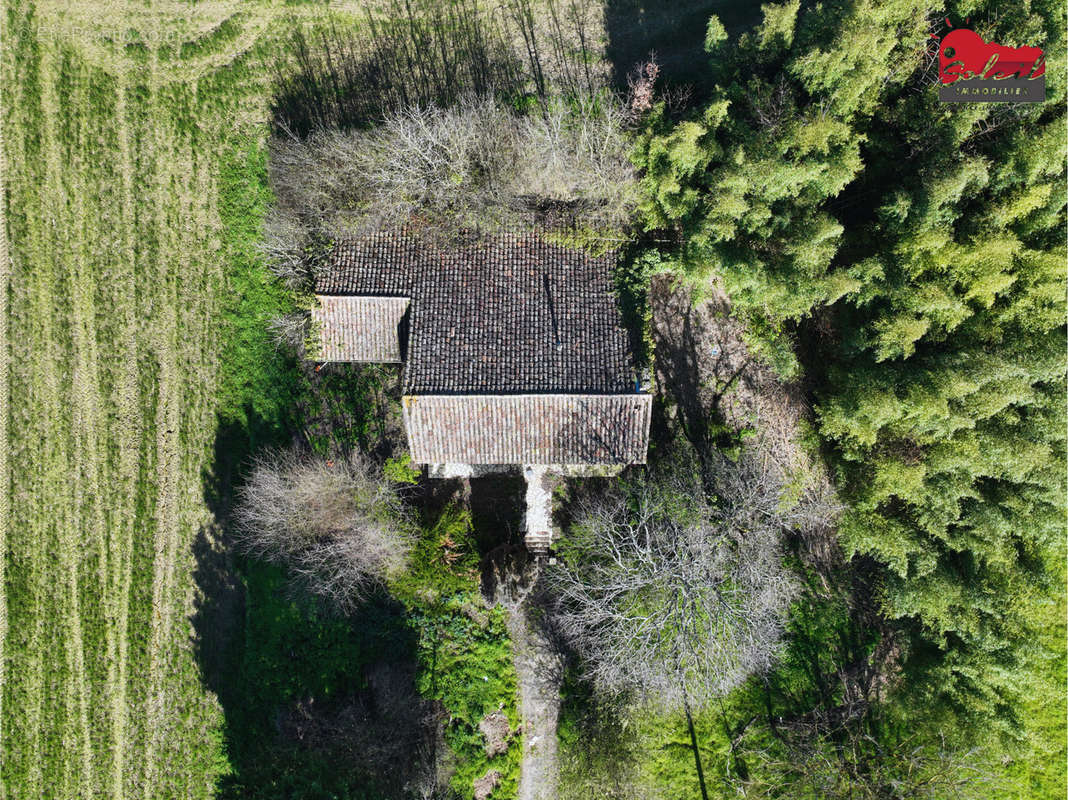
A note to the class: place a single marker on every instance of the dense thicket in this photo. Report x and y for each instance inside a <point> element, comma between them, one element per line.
<point>922,247</point>
<point>448,117</point>
<point>476,165</point>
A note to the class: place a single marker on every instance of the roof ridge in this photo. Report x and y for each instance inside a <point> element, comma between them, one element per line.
<point>519,313</point>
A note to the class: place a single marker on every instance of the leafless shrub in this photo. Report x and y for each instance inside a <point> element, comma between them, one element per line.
<point>475,165</point>
<point>772,104</point>
<point>338,526</point>
<point>290,331</point>
<point>673,591</point>
<point>577,155</point>
<point>284,245</point>
<point>640,84</point>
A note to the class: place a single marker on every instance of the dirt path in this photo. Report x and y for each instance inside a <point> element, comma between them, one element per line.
<point>539,671</point>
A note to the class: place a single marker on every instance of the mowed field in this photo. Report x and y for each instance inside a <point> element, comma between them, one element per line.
<point>115,121</point>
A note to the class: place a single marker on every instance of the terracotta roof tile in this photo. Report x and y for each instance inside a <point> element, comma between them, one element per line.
<point>359,328</point>
<point>528,429</point>
<point>509,314</point>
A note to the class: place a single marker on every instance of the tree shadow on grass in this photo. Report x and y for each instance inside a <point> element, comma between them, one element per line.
<point>315,704</point>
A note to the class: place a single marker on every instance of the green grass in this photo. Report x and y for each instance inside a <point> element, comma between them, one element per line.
<point>257,383</point>
<point>1038,770</point>
<point>288,654</point>
<point>117,282</point>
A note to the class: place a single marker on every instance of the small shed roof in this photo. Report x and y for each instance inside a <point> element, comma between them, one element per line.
<point>384,263</point>
<point>359,328</point>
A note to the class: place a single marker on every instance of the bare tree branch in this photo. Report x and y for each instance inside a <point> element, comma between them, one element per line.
<point>477,165</point>
<point>338,526</point>
<point>673,588</point>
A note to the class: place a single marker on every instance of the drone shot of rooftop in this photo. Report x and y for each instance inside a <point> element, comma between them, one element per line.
<point>534,400</point>
<point>513,348</point>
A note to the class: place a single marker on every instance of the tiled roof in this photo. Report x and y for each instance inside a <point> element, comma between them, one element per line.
<point>359,328</point>
<point>511,314</point>
<point>528,429</point>
<point>383,263</point>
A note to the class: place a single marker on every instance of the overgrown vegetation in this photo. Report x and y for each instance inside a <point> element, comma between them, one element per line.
<point>912,254</point>
<point>476,165</point>
<point>427,54</point>
<point>449,117</point>
<point>337,525</point>
<point>464,650</point>
<point>385,699</point>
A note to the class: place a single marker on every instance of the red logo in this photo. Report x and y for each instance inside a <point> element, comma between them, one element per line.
<point>973,70</point>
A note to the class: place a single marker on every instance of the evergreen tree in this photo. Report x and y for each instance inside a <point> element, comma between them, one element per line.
<point>747,181</point>
<point>945,399</point>
<point>826,183</point>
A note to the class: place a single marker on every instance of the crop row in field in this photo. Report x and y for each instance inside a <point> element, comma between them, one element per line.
<point>116,283</point>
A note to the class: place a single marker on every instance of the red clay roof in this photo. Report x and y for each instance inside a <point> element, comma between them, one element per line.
<point>528,429</point>
<point>359,328</point>
<point>507,314</point>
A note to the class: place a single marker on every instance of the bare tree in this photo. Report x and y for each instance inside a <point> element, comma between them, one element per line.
<point>640,87</point>
<point>338,526</point>
<point>413,53</point>
<point>477,164</point>
<point>290,331</point>
<point>285,245</point>
<point>673,587</point>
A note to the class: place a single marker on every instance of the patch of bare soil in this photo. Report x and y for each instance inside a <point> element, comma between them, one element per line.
<point>539,670</point>
<point>496,731</point>
<point>485,785</point>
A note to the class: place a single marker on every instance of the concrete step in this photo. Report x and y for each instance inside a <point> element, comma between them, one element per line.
<point>539,542</point>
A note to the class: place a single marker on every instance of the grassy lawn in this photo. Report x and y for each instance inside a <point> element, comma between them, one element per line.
<point>112,140</point>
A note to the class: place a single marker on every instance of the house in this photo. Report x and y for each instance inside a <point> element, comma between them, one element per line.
<point>513,348</point>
